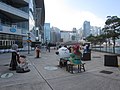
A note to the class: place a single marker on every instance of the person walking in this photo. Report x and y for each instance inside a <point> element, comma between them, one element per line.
<point>49,47</point>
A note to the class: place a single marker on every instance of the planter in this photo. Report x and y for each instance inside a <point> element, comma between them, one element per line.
<point>111,60</point>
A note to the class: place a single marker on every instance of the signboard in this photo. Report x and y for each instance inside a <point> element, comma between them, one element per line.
<point>29,40</point>
<point>13,28</point>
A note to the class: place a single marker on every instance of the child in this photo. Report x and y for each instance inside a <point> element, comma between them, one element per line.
<point>23,65</point>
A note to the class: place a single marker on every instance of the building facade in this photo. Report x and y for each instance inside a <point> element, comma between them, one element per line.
<point>18,21</point>
<point>65,36</point>
<point>14,22</point>
<point>39,16</point>
<point>55,35</point>
<point>37,12</point>
<point>95,31</point>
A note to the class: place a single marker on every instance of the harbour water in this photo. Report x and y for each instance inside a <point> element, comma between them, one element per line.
<point>108,49</point>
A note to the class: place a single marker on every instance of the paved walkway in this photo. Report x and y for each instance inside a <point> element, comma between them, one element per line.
<point>46,75</point>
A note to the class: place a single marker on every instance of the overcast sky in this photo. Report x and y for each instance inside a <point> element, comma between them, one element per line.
<point>66,14</point>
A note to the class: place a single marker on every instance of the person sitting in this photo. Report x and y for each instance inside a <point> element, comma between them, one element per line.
<point>76,55</point>
<point>75,59</point>
<point>23,65</point>
<point>63,53</point>
<point>86,48</point>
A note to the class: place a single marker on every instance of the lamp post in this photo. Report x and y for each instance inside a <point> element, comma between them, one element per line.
<point>37,39</point>
<point>28,43</point>
<point>46,42</point>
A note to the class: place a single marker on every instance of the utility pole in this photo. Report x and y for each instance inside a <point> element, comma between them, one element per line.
<point>28,43</point>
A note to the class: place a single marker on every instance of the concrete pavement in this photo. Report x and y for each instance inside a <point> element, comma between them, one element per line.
<point>46,75</point>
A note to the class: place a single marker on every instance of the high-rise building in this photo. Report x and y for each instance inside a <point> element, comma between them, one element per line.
<point>74,34</point>
<point>39,15</point>
<point>66,35</point>
<point>95,31</point>
<point>80,32</point>
<point>55,35</point>
<point>37,18</point>
<point>47,32</point>
<point>86,29</point>
<point>14,22</point>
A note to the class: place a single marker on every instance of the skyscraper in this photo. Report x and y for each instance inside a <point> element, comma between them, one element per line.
<point>38,12</point>
<point>86,29</point>
<point>47,32</point>
<point>40,15</point>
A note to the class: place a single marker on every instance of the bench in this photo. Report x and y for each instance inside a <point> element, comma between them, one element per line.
<point>69,66</point>
<point>63,62</point>
<point>80,67</point>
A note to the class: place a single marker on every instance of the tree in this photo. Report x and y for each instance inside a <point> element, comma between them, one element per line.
<point>112,29</point>
<point>100,39</point>
<point>91,39</point>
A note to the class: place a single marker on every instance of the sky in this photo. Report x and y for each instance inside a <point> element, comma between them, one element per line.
<point>69,14</point>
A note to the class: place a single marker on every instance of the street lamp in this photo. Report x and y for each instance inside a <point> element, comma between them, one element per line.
<point>37,39</point>
<point>46,42</point>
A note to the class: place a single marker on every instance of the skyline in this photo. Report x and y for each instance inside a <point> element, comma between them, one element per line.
<point>67,14</point>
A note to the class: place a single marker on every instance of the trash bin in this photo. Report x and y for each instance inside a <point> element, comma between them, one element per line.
<point>111,60</point>
<point>86,56</point>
